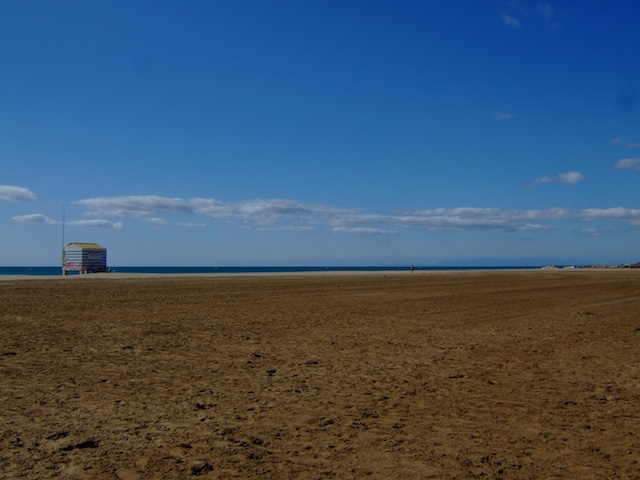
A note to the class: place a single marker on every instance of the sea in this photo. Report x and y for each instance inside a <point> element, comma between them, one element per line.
<point>209,270</point>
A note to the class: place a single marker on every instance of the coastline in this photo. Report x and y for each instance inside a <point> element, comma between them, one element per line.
<point>136,275</point>
<point>301,273</point>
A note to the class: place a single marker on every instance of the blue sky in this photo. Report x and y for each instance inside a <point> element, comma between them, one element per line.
<point>320,132</point>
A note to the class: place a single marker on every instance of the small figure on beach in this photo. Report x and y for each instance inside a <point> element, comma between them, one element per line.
<point>412,268</point>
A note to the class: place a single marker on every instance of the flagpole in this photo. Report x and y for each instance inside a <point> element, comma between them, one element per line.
<point>63,222</point>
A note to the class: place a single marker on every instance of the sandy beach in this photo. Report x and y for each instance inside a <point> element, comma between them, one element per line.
<point>500,375</point>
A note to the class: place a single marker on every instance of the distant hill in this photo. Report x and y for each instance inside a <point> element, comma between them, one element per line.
<point>509,262</point>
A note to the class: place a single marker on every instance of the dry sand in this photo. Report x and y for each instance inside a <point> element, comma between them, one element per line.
<point>523,375</point>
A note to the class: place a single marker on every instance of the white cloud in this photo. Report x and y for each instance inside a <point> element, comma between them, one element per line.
<point>286,228</point>
<point>271,211</point>
<point>569,178</point>
<point>537,181</point>
<point>531,227</point>
<point>508,220</point>
<point>12,193</point>
<point>138,205</point>
<point>292,216</point>
<point>192,225</point>
<point>363,231</point>
<point>591,232</point>
<point>620,214</point>
<point>40,218</point>
<point>505,116</point>
<point>464,218</point>
<point>95,223</point>
<point>156,220</point>
<point>510,21</point>
<point>258,211</point>
<point>628,164</point>
<point>33,218</point>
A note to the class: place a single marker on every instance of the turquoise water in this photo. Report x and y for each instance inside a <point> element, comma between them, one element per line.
<point>58,270</point>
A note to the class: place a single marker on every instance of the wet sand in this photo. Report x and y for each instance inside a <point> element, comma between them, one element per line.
<point>527,375</point>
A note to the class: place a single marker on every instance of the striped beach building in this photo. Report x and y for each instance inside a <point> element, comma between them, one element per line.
<point>84,258</point>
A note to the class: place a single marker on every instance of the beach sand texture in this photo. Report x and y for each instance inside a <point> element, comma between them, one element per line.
<point>514,375</point>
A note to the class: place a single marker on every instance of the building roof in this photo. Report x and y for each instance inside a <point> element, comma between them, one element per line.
<point>87,246</point>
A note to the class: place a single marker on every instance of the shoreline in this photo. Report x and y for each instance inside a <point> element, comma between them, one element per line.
<point>310,273</point>
<point>135,275</point>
